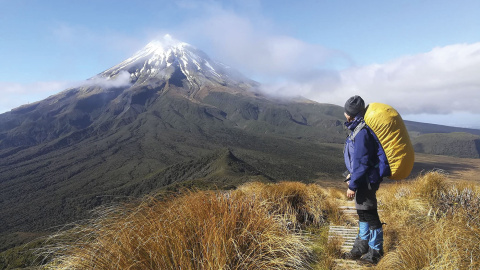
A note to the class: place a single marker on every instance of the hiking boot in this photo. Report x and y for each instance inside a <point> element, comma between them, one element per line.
<point>372,256</point>
<point>360,247</point>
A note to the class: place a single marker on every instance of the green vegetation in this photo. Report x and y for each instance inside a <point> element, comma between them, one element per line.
<point>456,144</point>
<point>168,141</point>
<point>23,256</point>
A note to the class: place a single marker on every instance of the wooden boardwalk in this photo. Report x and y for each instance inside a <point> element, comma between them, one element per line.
<point>347,234</point>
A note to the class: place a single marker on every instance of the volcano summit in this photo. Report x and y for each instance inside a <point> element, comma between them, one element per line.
<point>177,62</point>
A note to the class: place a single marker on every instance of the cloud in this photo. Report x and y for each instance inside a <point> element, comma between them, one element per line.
<point>17,94</point>
<point>252,43</point>
<point>442,81</point>
<point>120,80</point>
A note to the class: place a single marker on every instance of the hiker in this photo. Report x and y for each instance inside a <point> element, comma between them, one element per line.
<point>363,181</point>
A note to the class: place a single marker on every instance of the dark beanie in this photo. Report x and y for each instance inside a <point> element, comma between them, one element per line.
<point>354,105</point>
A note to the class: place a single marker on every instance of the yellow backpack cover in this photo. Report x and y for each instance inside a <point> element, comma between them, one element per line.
<point>388,126</point>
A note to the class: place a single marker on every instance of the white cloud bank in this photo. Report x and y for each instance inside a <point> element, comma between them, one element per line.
<point>443,81</point>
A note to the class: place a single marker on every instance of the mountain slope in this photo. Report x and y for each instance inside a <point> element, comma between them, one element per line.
<point>417,128</point>
<point>444,140</point>
<point>141,125</point>
<point>456,144</point>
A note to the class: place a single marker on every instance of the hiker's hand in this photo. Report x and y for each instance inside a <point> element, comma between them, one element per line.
<point>350,194</point>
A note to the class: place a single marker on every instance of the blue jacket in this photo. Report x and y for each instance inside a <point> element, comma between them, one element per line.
<point>361,157</point>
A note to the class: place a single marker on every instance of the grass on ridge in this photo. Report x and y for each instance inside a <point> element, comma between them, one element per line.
<point>431,224</point>
<point>257,226</point>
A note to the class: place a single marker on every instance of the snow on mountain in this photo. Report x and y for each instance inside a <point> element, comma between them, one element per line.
<point>170,59</point>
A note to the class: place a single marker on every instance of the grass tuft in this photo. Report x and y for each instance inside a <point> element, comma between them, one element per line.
<point>298,204</point>
<point>431,224</point>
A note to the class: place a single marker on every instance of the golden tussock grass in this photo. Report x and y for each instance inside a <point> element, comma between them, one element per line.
<point>297,203</point>
<point>431,224</point>
<point>254,227</point>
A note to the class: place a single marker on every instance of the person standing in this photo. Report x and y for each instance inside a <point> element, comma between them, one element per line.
<point>363,181</point>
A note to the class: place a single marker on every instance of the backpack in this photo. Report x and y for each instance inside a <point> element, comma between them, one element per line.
<point>382,164</point>
<point>396,152</point>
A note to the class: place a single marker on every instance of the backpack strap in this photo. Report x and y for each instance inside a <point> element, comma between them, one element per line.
<point>357,129</point>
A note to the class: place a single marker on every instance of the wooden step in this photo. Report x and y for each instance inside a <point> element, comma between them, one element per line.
<point>341,264</point>
<point>347,234</point>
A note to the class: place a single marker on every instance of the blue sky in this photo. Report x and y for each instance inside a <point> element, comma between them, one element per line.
<point>422,57</point>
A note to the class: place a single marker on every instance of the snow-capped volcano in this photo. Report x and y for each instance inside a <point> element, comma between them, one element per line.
<point>175,61</point>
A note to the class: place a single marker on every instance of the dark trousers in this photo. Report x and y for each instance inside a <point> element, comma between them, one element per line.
<point>371,217</point>
<point>366,205</point>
